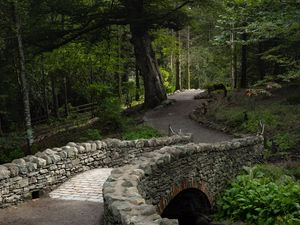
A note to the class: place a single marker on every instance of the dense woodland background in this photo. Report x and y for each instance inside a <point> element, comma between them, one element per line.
<point>105,56</point>
<point>67,64</point>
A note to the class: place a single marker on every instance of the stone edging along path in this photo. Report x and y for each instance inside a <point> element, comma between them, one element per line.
<point>137,194</point>
<point>27,177</point>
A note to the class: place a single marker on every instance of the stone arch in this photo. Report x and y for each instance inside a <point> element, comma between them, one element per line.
<point>185,184</point>
<point>190,206</point>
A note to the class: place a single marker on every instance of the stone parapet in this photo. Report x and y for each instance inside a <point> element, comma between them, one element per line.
<point>45,170</point>
<point>137,194</point>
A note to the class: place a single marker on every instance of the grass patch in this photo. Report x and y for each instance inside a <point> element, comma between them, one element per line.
<point>140,132</point>
<point>90,134</point>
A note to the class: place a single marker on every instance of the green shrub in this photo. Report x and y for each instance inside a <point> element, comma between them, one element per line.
<point>10,148</point>
<point>108,106</point>
<point>109,113</point>
<point>90,134</point>
<point>140,132</point>
<point>251,124</point>
<point>285,141</point>
<point>295,172</point>
<point>233,117</point>
<point>263,196</point>
<point>246,121</point>
<point>167,80</point>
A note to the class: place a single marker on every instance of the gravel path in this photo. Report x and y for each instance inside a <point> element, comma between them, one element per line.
<point>177,115</point>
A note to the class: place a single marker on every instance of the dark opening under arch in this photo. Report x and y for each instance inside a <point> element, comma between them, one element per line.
<point>191,207</point>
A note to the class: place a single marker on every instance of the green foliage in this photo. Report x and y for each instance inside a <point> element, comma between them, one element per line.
<point>280,121</point>
<point>90,135</point>
<point>164,43</point>
<point>267,117</point>
<point>140,132</point>
<point>166,80</point>
<point>108,106</point>
<point>263,196</point>
<point>245,120</point>
<point>272,26</point>
<point>110,113</point>
<point>292,169</point>
<point>129,90</point>
<point>10,148</point>
<point>285,141</point>
<point>290,75</point>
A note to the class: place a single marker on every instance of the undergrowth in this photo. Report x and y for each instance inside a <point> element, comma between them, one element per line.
<point>282,125</point>
<point>140,132</point>
<point>263,195</point>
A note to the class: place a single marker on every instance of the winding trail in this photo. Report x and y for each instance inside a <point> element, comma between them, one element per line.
<point>177,115</point>
<point>79,200</point>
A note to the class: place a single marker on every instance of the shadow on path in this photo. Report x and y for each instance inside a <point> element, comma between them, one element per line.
<point>45,211</point>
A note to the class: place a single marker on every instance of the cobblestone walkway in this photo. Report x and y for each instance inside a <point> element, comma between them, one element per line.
<point>86,186</point>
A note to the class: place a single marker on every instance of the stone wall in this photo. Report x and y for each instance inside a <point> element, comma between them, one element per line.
<point>137,194</point>
<point>45,170</point>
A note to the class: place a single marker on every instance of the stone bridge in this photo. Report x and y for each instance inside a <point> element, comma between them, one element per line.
<point>153,178</point>
<point>175,182</point>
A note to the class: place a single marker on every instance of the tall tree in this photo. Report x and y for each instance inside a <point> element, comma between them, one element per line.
<point>178,63</point>
<point>146,61</point>
<point>188,71</point>
<point>244,59</point>
<point>233,58</point>
<point>24,85</point>
<point>141,16</point>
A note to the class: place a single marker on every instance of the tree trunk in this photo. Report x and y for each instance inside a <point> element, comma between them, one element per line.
<point>54,97</point>
<point>233,60</point>
<point>147,63</point>
<point>92,93</point>
<point>178,64</point>
<point>144,54</point>
<point>244,62</point>
<point>188,79</point>
<point>1,131</point>
<point>119,66</point>
<point>66,96</point>
<point>261,63</point>
<point>45,97</point>
<point>24,85</point>
<point>137,84</point>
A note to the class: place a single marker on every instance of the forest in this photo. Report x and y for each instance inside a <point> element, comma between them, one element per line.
<point>56,56</point>
<point>65,63</point>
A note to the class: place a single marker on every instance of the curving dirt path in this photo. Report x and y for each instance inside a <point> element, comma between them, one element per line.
<point>177,115</point>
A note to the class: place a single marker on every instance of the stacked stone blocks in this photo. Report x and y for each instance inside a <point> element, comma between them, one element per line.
<point>45,170</point>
